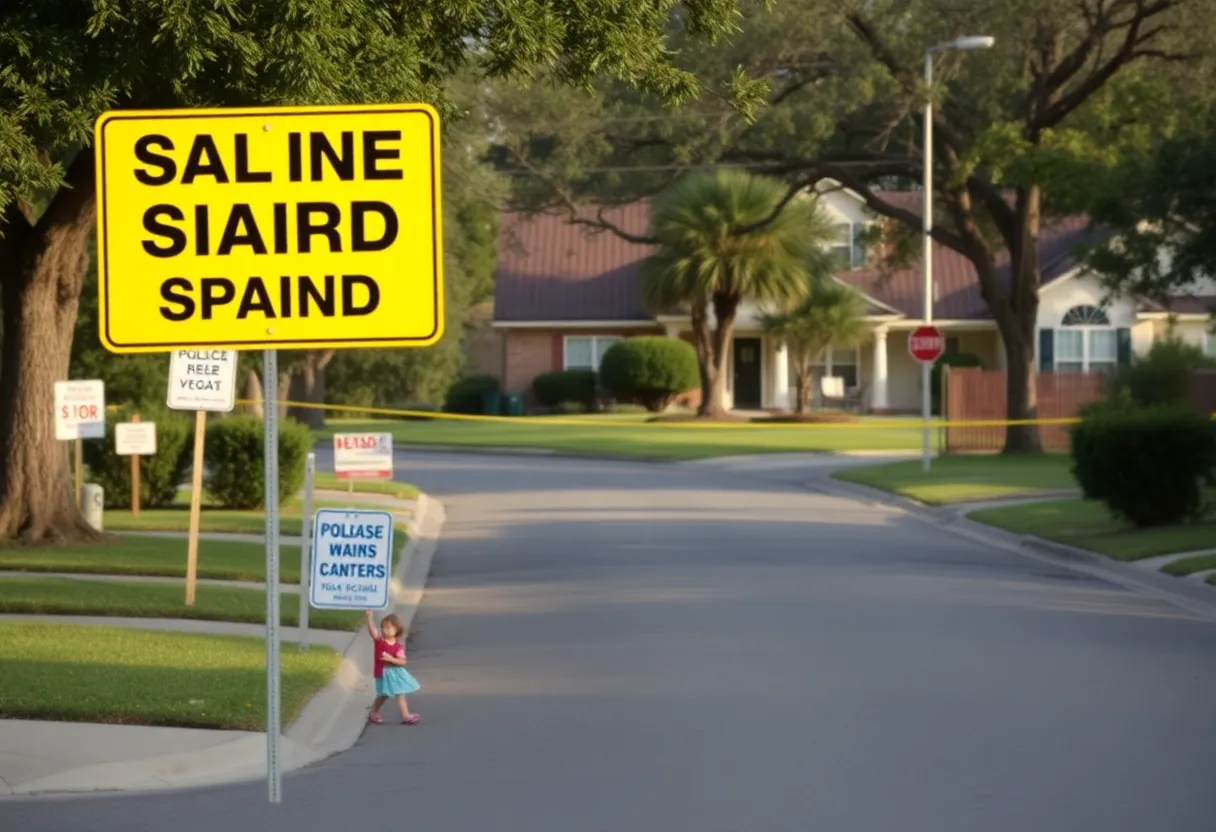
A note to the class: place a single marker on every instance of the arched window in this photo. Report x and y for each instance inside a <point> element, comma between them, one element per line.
<point>1086,342</point>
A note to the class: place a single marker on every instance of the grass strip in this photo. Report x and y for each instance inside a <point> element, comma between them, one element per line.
<point>963,479</point>
<point>70,596</point>
<point>388,488</point>
<point>1187,566</point>
<point>136,677</point>
<point>1087,524</point>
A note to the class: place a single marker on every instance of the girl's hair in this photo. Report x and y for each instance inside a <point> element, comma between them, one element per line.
<point>394,622</point>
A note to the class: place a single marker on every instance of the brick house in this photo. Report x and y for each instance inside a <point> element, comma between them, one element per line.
<point>566,293</point>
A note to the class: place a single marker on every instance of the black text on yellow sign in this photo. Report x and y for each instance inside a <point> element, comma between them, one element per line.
<point>291,227</point>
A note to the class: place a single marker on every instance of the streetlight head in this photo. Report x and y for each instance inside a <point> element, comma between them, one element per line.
<point>972,42</point>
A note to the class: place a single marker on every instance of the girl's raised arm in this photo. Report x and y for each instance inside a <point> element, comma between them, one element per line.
<point>371,625</point>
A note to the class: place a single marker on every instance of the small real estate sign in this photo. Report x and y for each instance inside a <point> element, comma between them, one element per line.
<point>80,409</point>
<point>352,559</point>
<point>202,380</point>
<point>135,439</point>
<point>363,456</point>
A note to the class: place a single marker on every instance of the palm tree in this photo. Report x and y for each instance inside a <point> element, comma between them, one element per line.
<point>829,314</point>
<point>721,239</point>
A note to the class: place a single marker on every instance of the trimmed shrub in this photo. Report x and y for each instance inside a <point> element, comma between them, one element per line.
<point>650,369</point>
<point>235,460</point>
<point>1163,375</point>
<point>465,396</point>
<point>1148,465</point>
<point>570,407</point>
<point>159,475</point>
<point>950,359</point>
<point>552,389</point>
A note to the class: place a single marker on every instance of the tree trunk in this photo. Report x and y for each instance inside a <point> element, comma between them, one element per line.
<point>308,385</point>
<point>1022,389</point>
<point>803,385</point>
<point>42,267</point>
<point>702,342</point>
<point>282,395</point>
<point>253,393</point>
<point>724,325</point>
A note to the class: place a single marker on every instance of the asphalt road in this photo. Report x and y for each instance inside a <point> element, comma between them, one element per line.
<point>610,647</point>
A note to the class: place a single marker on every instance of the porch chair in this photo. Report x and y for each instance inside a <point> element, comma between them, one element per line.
<point>855,398</point>
<point>831,390</point>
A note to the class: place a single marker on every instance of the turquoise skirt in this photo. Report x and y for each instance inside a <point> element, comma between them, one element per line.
<point>396,681</point>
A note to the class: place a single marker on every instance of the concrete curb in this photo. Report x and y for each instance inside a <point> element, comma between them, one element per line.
<point>1195,598</point>
<point>331,722</point>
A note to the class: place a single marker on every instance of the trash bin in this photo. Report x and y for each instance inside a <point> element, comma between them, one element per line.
<point>92,504</point>
<point>491,403</point>
<point>515,404</point>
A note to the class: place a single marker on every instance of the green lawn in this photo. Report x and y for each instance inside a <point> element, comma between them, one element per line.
<point>231,521</point>
<point>1087,524</point>
<point>132,555</point>
<point>629,435</point>
<point>391,488</point>
<point>69,596</point>
<point>59,672</point>
<point>1186,566</point>
<point>961,479</point>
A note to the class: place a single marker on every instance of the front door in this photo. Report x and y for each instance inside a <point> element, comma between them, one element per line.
<point>747,373</point>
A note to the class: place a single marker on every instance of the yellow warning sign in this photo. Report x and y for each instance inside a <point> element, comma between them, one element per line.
<point>284,227</point>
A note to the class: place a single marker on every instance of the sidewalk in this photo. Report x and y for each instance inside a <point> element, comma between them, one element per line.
<point>42,759</point>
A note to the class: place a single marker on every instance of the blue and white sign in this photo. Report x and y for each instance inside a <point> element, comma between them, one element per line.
<point>352,559</point>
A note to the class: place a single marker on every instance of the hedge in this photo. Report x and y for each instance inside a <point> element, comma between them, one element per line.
<point>465,396</point>
<point>1162,376</point>
<point>565,387</point>
<point>234,457</point>
<point>159,475</point>
<point>650,369</point>
<point>1148,465</point>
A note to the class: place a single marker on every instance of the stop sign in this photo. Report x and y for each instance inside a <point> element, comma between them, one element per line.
<point>926,344</point>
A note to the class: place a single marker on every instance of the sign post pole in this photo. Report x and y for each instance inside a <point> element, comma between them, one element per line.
<point>196,504</point>
<point>134,477</point>
<point>310,471</point>
<point>79,473</point>
<point>926,345</point>
<point>274,776</point>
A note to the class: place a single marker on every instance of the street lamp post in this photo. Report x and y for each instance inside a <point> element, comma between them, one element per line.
<point>962,43</point>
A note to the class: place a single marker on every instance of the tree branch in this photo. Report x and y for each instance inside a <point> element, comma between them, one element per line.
<point>75,197</point>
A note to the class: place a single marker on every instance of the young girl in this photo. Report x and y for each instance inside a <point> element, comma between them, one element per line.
<point>392,679</point>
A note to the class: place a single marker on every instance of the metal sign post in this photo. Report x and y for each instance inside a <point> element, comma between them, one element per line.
<point>274,774</point>
<point>310,471</point>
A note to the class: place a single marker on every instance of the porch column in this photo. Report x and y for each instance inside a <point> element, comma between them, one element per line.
<point>781,376</point>
<point>878,393</point>
<point>672,329</point>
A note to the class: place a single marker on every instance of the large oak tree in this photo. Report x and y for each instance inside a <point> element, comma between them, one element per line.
<point>63,62</point>
<point>834,89</point>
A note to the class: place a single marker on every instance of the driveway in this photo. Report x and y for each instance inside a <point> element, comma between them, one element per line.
<point>618,646</point>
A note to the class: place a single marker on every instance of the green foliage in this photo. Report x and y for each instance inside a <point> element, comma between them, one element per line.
<point>950,359</point>
<point>650,369</point>
<point>465,396</point>
<point>829,314</point>
<point>1147,464</point>
<point>570,408</point>
<point>235,458</point>
<point>159,475</point>
<point>1163,376</point>
<point>571,386</point>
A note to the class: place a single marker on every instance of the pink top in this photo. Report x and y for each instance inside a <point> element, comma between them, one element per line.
<point>381,646</point>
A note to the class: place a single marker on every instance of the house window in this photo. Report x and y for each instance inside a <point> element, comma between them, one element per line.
<point>1086,342</point>
<point>952,345</point>
<point>848,249</point>
<point>585,352</point>
<point>835,361</point>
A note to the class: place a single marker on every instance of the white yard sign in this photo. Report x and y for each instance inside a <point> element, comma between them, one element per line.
<point>135,439</point>
<point>80,410</point>
<point>352,559</point>
<point>363,456</point>
<point>202,380</point>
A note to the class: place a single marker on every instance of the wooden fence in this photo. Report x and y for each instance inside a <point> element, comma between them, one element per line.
<point>973,394</point>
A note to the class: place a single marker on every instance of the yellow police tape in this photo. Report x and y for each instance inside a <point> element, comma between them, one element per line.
<point>887,423</point>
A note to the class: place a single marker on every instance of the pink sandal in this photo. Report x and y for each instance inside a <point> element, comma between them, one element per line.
<point>412,719</point>
<point>376,718</point>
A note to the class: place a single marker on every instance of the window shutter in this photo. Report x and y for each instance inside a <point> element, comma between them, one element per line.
<point>1047,350</point>
<point>1123,344</point>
